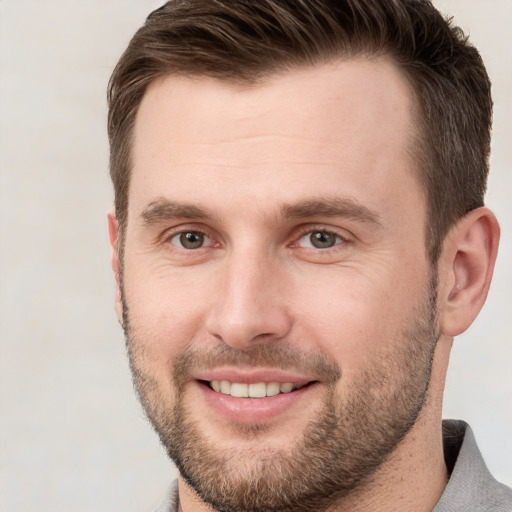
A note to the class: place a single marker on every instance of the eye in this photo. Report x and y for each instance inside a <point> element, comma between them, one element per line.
<point>190,240</point>
<point>320,240</point>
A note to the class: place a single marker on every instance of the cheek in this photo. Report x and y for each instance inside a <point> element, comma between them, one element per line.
<point>166,311</point>
<point>351,315</point>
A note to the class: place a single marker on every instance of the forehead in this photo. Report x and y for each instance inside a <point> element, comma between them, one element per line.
<point>333,128</point>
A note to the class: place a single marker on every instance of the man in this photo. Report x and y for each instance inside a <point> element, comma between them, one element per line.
<point>299,233</point>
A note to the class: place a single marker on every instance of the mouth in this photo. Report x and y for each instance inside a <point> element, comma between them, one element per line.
<point>253,390</point>
<point>254,397</point>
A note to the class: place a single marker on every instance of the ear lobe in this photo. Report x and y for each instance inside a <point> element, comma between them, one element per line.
<point>113,234</point>
<point>467,265</point>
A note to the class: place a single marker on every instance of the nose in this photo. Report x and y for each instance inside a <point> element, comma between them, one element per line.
<point>250,304</point>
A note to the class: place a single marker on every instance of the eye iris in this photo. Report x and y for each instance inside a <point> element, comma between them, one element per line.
<point>191,240</point>
<point>322,239</point>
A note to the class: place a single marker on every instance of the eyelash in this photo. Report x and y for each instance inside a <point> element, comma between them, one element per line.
<point>190,232</point>
<point>168,236</point>
<point>307,230</point>
<point>310,230</point>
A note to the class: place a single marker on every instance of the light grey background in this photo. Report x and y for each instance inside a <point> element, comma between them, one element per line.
<point>72,436</point>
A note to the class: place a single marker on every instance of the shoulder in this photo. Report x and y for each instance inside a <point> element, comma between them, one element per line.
<point>471,485</point>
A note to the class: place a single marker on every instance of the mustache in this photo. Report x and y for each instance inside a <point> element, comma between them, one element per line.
<point>281,356</point>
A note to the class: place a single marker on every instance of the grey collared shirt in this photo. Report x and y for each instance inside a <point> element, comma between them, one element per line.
<point>471,487</point>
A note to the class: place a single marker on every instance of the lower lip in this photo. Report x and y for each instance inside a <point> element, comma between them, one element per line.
<point>252,410</point>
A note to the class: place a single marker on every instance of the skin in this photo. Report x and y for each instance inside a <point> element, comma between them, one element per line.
<point>337,134</point>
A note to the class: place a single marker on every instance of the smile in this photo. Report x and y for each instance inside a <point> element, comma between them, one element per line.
<point>253,390</point>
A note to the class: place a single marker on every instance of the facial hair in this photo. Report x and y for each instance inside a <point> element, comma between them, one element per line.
<point>339,450</point>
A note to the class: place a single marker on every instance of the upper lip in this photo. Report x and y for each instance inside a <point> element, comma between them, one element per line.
<point>252,376</point>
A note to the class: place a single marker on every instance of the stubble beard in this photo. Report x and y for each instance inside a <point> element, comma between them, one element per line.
<point>340,449</point>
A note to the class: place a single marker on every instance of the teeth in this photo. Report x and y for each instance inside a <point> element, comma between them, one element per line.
<point>225,387</point>
<point>239,390</point>
<point>257,390</point>
<point>273,389</point>
<point>286,387</point>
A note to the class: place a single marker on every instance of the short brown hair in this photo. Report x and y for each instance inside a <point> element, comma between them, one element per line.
<point>246,40</point>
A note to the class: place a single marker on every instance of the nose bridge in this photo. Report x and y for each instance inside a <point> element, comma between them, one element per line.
<point>248,306</point>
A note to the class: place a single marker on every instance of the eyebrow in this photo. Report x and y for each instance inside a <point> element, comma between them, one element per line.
<point>162,210</point>
<point>331,207</point>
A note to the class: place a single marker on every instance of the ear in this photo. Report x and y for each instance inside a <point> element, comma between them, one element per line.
<point>113,234</point>
<point>466,268</point>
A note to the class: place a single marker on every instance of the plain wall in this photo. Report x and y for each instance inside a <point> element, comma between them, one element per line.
<point>72,436</point>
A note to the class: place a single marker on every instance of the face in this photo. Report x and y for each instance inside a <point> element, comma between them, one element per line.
<point>278,303</point>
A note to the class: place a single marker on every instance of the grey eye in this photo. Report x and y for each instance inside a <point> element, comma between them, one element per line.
<point>320,240</point>
<point>189,239</point>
